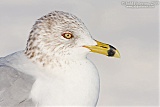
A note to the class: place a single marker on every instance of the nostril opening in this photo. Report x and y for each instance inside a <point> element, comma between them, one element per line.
<point>104,47</point>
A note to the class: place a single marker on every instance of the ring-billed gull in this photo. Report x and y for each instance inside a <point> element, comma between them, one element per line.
<point>53,69</point>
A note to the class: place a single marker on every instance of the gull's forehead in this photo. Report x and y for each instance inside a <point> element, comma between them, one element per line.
<point>59,20</point>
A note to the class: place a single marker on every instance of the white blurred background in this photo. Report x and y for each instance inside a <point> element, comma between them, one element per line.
<point>131,80</point>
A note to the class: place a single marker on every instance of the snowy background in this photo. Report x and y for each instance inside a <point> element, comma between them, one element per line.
<point>131,80</point>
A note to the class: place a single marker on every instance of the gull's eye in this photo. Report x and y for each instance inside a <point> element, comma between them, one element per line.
<point>67,35</point>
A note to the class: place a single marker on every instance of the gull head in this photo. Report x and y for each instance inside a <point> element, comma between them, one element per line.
<point>60,35</point>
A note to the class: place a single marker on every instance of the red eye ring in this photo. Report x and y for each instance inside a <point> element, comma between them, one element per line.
<point>67,35</point>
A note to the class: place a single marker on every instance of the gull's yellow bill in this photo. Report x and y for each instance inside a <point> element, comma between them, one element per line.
<point>104,49</point>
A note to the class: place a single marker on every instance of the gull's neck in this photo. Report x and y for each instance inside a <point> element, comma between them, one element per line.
<point>51,61</point>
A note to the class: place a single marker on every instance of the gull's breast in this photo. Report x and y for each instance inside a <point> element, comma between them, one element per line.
<point>77,84</point>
